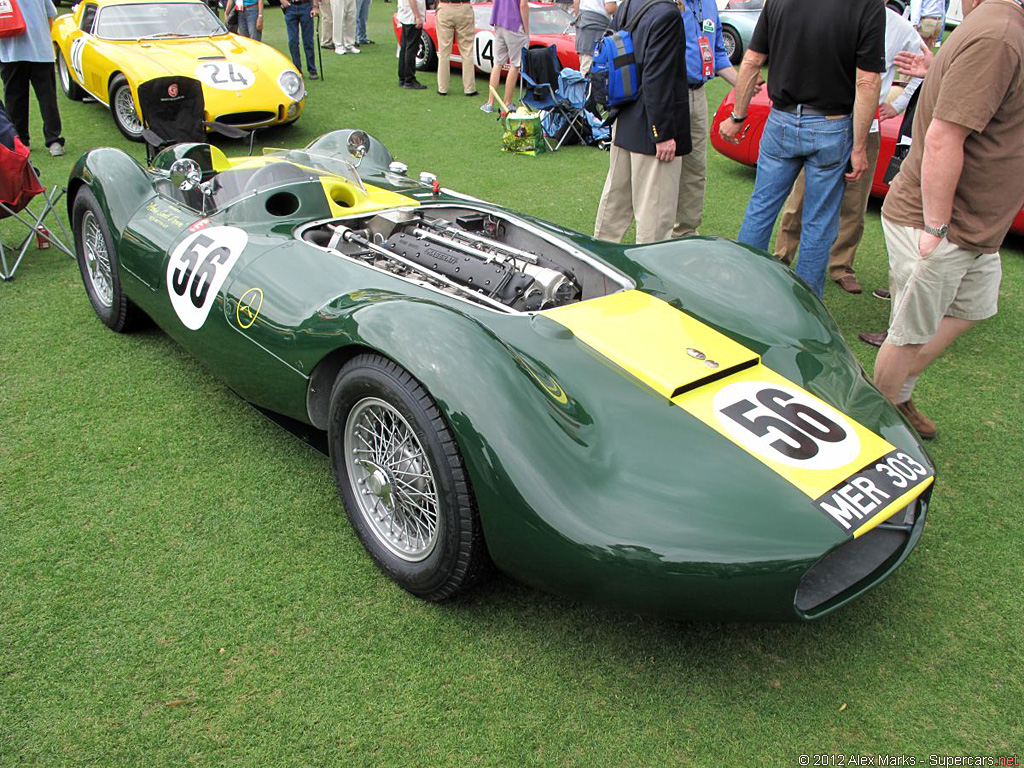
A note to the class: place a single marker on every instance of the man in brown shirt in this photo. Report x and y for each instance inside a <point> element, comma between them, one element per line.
<point>955,197</point>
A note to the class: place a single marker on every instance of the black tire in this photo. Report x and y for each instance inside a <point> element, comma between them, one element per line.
<point>120,99</point>
<point>733,44</point>
<point>455,556</point>
<point>67,83</point>
<point>93,245</point>
<point>426,54</point>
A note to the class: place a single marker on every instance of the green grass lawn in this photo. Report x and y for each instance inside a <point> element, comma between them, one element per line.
<point>179,584</point>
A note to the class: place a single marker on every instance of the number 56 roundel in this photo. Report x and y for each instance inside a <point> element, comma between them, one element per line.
<point>197,269</point>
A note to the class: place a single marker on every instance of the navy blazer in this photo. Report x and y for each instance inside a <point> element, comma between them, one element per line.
<point>663,110</point>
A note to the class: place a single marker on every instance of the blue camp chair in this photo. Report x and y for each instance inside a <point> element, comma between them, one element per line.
<point>539,90</point>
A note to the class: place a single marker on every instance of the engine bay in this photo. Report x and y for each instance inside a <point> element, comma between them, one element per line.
<point>486,257</point>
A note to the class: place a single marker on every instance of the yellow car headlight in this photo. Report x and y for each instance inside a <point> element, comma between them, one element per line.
<point>291,83</point>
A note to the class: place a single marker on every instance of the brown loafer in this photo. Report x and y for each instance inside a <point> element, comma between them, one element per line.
<point>849,284</point>
<point>925,427</point>
<point>874,339</point>
<point>882,293</point>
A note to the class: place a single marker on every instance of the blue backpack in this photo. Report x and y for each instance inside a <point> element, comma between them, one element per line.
<point>614,76</point>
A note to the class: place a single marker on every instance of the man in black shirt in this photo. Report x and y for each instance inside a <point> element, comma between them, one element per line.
<point>827,57</point>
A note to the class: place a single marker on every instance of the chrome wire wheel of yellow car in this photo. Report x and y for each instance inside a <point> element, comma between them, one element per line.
<point>67,84</point>
<point>394,482</point>
<point>122,107</point>
<point>401,475</point>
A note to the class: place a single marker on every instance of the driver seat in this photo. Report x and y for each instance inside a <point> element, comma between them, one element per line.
<point>173,109</point>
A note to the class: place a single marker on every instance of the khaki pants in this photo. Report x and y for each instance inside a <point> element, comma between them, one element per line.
<point>693,171</point>
<point>851,218</point>
<point>343,13</point>
<point>642,186</point>
<point>586,62</point>
<point>455,21</point>
<point>326,27</point>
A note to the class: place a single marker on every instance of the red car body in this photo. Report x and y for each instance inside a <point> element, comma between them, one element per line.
<point>750,141</point>
<point>549,25</point>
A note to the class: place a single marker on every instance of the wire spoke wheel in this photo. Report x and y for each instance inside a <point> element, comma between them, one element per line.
<point>124,109</point>
<point>97,260</point>
<point>393,482</point>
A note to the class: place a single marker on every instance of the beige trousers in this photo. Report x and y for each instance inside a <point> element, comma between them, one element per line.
<point>693,169</point>
<point>851,218</point>
<point>326,27</point>
<point>455,21</point>
<point>641,186</point>
<point>343,18</point>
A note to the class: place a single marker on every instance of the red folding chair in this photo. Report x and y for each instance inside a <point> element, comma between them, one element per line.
<point>19,185</point>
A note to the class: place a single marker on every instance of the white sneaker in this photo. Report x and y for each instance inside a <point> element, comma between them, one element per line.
<point>56,149</point>
<point>340,51</point>
<point>351,49</point>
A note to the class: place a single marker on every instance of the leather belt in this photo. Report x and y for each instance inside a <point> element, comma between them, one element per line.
<point>804,109</point>
<point>695,86</point>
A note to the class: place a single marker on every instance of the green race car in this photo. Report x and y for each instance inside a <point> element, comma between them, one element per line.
<point>675,428</point>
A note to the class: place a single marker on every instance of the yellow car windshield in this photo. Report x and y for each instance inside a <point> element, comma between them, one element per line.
<point>138,21</point>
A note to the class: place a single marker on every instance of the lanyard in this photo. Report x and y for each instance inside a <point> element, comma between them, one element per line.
<point>700,10</point>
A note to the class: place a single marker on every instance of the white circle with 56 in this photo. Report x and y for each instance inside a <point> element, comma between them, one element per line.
<point>197,269</point>
<point>786,425</point>
<point>225,75</point>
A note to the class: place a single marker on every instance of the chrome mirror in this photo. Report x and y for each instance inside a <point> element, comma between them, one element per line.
<point>185,174</point>
<point>358,145</point>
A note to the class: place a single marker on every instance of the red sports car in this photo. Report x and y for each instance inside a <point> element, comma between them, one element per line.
<point>750,141</point>
<point>550,24</point>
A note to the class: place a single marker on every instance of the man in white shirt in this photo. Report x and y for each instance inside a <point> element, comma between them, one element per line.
<point>411,14</point>
<point>899,36</point>
<point>594,18</point>
<point>928,18</point>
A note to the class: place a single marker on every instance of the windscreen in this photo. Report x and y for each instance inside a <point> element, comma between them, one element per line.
<point>153,20</point>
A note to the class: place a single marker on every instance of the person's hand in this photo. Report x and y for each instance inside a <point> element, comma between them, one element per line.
<point>259,22</point>
<point>927,244</point>
<point>729,130</point>
<point>886,112</point>
<point>419,23</point>
<point>314,12</point>
<point>758,85</point>
<point>914,64</point>
<point>859,163</point>
<point>665,150</point>
<point>284,4</point>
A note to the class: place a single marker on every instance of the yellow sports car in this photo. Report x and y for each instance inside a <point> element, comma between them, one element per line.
<point>107,48</point>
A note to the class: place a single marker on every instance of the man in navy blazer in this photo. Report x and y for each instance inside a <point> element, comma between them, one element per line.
<point>650,134</point>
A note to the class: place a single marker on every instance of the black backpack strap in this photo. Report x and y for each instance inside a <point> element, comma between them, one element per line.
<point>631,25</point>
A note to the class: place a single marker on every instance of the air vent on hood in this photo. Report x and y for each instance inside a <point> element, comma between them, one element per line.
<point>665,348</point>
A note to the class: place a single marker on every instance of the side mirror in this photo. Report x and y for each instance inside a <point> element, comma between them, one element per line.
<point>358,145</point>
<point>185,174</point>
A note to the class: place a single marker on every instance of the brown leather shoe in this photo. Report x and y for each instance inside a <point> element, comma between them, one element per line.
<point>849,284</point>
<point>882,293</point>
<point>874,339</point>
<point>925,427</point>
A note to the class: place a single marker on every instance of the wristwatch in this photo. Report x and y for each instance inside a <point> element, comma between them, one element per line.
<point>736,118</point>
<point>939,231</point>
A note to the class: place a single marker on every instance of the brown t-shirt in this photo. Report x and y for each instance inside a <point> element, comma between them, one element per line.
<point>976,81</point>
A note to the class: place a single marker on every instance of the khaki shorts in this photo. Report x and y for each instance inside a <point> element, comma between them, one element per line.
<point>952,281</point>
<point>929,26</point>
<point>508,46</point>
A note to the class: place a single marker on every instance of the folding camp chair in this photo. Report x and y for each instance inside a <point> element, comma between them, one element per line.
<point>172,112</point>
<point>19,184</point>
<point>538,90</point>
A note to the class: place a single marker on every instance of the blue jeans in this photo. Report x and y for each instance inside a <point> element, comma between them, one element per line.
<point>362,13</point>
<point>247,22</point>
<point>821,146</point>
<point>296,19</point>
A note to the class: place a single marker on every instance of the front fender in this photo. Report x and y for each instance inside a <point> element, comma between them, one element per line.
<point>119,183</point>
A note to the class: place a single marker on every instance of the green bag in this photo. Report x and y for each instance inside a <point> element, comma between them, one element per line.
<point>523,133</point>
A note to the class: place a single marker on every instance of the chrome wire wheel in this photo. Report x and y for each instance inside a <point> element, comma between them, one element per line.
<point>97,260</point>
<point>124,110</point>
<point>65,75</point>
<point>391,479</point>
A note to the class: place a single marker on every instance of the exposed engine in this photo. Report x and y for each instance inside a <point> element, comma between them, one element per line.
<point>466,255</point>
